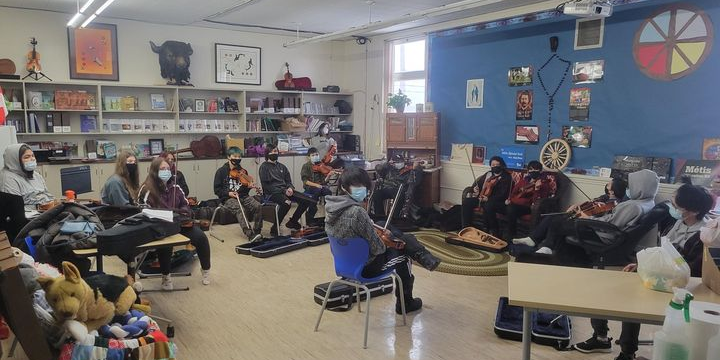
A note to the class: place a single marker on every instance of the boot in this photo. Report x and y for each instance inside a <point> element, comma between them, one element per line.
<point>411,304</point>
<point>427,260</point>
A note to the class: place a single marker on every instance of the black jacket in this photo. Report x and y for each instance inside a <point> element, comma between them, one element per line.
<point>692,252</point>
<point>222,184</point>
<point>500,191</point>
<point>275,178</point>
<point>180,181</point>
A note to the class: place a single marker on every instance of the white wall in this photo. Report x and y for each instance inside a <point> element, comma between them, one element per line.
<point>139,65</point>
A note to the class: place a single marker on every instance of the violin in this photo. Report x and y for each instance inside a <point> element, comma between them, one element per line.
<point>593,208</point>
<point>327,159</point>
<point>33,59</point>
<point>526,189</point>
<point>244,179</point>
<point>387,239</point>
<point>288,77</point>
<point>489,185</point>
<point>323,168</point>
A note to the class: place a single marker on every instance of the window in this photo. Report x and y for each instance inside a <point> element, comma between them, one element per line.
<point>408,70</point>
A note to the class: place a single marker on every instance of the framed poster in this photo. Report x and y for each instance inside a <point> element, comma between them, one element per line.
<point>580,104</point>
<point>474,94</point>
<point>527,134</point>
<point>235,64</point>
<point>577,136</point>
<point>94,52</point>
<point>524,105</point>
<point>157,146</point>
<point>478,156</point>
<point>520,76</point>
<point>711,149</point>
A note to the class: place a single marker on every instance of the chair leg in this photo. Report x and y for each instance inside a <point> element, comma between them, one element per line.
<point>324,304</point>
<point>367,315</point>
<point>14,345</point>
<point>402,296</point>
<point>212,221</point>
<point>357,294</point>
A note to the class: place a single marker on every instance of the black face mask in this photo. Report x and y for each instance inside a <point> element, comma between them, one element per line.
<point>235,162</point>
<point>132,169</point>
<point>496,169</point>
<point>534,174</point>
<point>273,157</point>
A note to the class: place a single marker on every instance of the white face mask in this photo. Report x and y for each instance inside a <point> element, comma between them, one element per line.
<point>325,131</point>
<point>30,166</point>
<point>164,174</point>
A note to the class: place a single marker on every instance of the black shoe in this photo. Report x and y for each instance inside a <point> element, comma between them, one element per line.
<point>593,345</point>
<point>624,356</point>
<point>293,224</point>
<point>427,260</point>
<point>410,306</point>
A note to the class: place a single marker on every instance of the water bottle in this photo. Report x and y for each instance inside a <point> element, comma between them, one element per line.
<point>673,342</point>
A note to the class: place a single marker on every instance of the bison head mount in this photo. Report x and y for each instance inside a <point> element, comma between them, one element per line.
<point>174,58</point>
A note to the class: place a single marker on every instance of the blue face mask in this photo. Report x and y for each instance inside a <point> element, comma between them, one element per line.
<point>674,212</point>
<point>164,174</point>
<point>358,193</point>
<point>315,158</point>
<point>30,166</point>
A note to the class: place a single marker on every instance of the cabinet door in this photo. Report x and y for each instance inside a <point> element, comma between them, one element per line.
<point>411,125</point>
<point>100,173</point>
<point>51,174</point>
<point>187,167</point>
<point>396,125</point>
<point>299,161</point>
<point>427,128</point>
<point>204,177</point>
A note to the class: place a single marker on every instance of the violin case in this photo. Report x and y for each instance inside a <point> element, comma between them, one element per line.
<point>547,328</point>
<point>314,235</point>
<point>342,296</point>
<point>266,248</point>
<point>475,239</point>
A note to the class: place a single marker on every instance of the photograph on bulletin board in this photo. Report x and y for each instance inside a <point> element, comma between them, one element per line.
<point>586,72</point>
<point>580,104</point>
<point>520,76</point>
<point>578,136</point>
<point>527,134</point>
<point>524,105</point>
<point>474,94</point>
<point>711,149</point>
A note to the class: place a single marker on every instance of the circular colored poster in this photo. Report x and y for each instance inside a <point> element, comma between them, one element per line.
<point>673,42</point>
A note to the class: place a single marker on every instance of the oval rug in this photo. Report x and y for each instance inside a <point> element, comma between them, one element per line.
<point>461,260</point>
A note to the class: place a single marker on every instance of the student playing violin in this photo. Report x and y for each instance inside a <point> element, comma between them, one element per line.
<point>489,191</point>
<point>314,176</point>
<point>234,192</point>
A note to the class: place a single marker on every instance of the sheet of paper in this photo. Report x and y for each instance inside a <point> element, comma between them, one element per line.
<point>166,215</point>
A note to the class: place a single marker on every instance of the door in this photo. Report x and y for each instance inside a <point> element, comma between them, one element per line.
<point>427,128</point>
<point>396,125</point>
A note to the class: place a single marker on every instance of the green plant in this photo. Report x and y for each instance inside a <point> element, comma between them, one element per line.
<point>398,100</point>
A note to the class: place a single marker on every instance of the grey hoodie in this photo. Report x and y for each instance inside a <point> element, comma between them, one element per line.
<point>14,180</point>
<point>642,188</point>
<point>345,218</point>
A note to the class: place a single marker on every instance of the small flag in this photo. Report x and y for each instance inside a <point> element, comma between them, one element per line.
<point>3,108</point>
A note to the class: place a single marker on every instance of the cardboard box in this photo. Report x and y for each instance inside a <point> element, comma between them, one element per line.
<point>710,271</point>
<point>8,263</point>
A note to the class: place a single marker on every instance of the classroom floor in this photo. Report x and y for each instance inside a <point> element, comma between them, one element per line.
<point>264,309</point>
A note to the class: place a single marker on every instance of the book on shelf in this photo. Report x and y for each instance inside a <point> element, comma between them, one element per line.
<point>186,105</point>
<point>157,102</point>
<point>49,126</point>
<point>212,105</point>
<point>88,123</point>
<point>74,100</point>
<point>58,123</point>
<point>129,103</point>
<point>33,126</point>
<point>112,103</point>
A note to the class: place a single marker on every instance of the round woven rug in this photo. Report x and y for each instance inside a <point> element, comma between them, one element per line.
<point>461,260</point>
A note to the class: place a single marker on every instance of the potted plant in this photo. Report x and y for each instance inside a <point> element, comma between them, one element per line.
<point>398,101</point>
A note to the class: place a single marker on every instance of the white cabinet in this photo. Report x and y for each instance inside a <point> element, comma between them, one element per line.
<point>100,173</point>
<point>200,175</point>
<point>298,162</point>
<point>51,174</point>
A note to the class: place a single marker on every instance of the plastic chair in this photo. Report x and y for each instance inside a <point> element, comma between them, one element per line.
<point>350,256</point>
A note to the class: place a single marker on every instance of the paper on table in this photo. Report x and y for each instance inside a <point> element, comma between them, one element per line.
<point>166,215</point>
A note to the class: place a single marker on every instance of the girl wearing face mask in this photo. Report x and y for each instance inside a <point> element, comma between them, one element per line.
<point>121,188</point>
<point>19,177</point>
<point>159,192</point>
<point>346,218</point>
<point>178,176</point>
<point>322,140</point>
<point>488,191</point>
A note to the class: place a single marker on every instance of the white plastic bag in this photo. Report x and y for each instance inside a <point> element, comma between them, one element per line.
<point>710,233</point>
<point>662,268</point>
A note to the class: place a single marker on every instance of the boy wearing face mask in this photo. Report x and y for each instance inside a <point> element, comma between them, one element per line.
<point>314,183</point>
<point>496,183</point>
<point>346,218</point>
<point>392,174</point>
<point>121,188</point>
<point>233,195</point>
<point>20,178</point>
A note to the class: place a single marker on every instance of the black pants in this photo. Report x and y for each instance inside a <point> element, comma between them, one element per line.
<point>197,239</point>
<point>512,213</point>
<point>312,208</point>
<point>283,203</point>
<point>552,230</point>
<point>628,337</point>
<point>379,197</point>
<point>468,210</point>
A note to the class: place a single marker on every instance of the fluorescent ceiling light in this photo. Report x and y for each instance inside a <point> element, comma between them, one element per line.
<point>377,25</point>
<point>74,19</point>
<point>87,5</point>
<point>89,19</point>
<point>102,8</point>
<point>230,9</point>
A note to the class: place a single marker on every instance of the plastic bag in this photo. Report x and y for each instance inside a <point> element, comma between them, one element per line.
<point>662,268</point>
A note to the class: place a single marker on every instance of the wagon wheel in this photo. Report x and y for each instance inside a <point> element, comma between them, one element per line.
<point>555,154</point>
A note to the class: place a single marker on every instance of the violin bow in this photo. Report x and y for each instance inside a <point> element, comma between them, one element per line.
<point>392,208</point>
<point>237,197</point>
<point>471,166</point>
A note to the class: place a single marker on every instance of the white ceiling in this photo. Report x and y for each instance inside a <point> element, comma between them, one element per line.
<point>267,16</point>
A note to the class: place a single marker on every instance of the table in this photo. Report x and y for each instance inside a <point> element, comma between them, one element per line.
<point>603,294</point>
<point>173,240</point>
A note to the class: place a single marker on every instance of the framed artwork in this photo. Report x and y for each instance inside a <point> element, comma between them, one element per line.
<point>524,105</point>
<point>577,136</point>
<point>527,134</point>
<point>589,33</point>
<point>520,76</point>
<point>478,156</point>
<point>94,52</point>
<point>474,94</point>
<point>235,64</point>
<point>580,104</point>
<point>156,146</point>
<point>588,71</point>
<point>199,105</point>
<point>711,149</point>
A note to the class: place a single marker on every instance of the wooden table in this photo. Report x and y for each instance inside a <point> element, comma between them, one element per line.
<point>170,241</point>
<point>603,294</point>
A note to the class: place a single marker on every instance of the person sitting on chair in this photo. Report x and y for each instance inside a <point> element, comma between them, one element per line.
<point>615,191</point>
<point>392,174</point>
<point>159,193</point>
<point>277,184</point>
<point>121,188</point>
<point>18,177</point>
<point>178,176</point>
<point>346,218</point>
<point>233,194</point>
<point>689,206</point>
<point>532,187</point>
<point>488,191</point>
<point>314,182</point>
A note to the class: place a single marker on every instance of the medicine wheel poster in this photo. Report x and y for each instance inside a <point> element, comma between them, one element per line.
<point>673,42</point>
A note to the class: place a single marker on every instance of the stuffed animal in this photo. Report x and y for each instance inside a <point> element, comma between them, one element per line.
<point>174,58</point>
<point>93,302</point>
<point>131,325</point>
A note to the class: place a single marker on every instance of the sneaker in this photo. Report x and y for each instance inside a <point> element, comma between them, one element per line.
<point>255,238</point>
<point>167,283</point>
<point>624,356</point>
<point>293,224</point>
<point>524,241</point>
<point>593,345</point>
<point>206,277</point>
<point>410,306</point>
<point>544,250</point>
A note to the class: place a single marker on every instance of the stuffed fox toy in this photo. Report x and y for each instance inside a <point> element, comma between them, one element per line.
<point>93,302</point>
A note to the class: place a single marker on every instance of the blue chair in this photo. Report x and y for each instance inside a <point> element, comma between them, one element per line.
<point>350,256</point>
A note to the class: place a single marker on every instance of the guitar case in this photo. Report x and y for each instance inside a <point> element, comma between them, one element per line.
<point>547,328</point>
<point>270,247</point>
<point>475,239</point>
<point>343,296</point>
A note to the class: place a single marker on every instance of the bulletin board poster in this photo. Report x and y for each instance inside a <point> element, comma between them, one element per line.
<point>711,149</point>
<point>514,156</point>
<point>701,172</point>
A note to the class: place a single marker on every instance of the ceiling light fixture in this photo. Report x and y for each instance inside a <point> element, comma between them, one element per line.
<point>88,20</point>
<point>86,6</point>
<point>78,14</point>
<point>229,10</point>
<point>97,12</point>
<point>102,8</point>
<point>377,25</point>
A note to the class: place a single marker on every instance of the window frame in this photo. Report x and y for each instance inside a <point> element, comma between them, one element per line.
<point>391,77</point>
